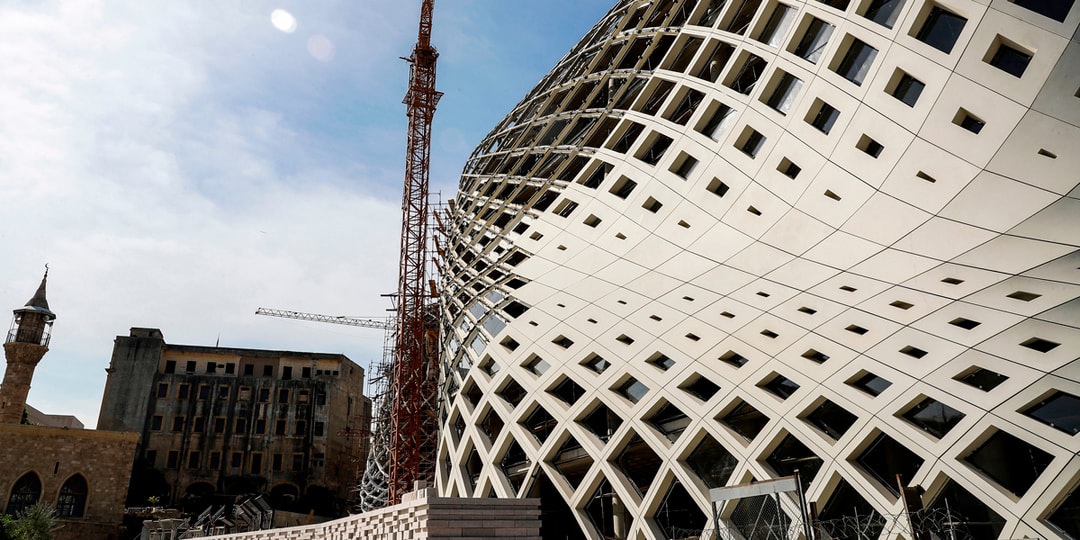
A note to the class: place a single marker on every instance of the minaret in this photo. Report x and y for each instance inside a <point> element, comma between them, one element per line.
<point>27,342</point>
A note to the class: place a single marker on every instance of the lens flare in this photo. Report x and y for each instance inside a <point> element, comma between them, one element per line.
<point>320,48</point>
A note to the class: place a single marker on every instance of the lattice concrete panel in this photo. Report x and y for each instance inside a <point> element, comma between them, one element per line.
<point>837,236</point>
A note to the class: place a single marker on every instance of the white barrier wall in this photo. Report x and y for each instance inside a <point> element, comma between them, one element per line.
<point>422,515</point>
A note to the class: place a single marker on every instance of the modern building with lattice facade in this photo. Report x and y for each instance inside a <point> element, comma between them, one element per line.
<point>725,240</point>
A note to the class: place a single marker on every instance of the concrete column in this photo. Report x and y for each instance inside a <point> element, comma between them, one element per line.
<point>618,516</point>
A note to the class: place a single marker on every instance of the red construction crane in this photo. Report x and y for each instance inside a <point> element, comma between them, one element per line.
<point>415,378</point>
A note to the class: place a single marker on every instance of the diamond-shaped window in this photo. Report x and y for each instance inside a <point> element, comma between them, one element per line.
<point>512,392</point>
<point>540,423</point>
<point>662,361</point>
<point>712,462</point>
<point>700,387</point>
<point>607,513</point>
<point>812,354</point>
<point>457,427</point>
<point>491,425</point>
<point>871,384</point>
<point>885,458</point>
<point>733,358</point>
<point>832,419</point>
<point>601,422</point>
<point>572,461</point>
<point>844,503</point>
<point>679,513</point>
<point>473,467</point>
<point>473,394</point>
<point>745,420</point>
<point>791,455</point>
<point>979,521</point>
<point>536,365</point>
<point>1067,515</point>
<point>982,378</point>
<point>780,386</point>
<point>1011,462</point>
<point>639,463</point>
<point>632,389</point>
<point>596,363</point>
<point>1060,411</point>
<point>670,421</point>
<point>489,366</point>
<point>934,417</point>
<point>568,391</point>
<point>1040,344</point>
<point>515,465</point>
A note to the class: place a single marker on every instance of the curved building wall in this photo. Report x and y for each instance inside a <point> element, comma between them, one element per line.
<point>722,241</point>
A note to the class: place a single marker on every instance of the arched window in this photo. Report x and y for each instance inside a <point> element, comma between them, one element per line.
<point>72,500</point>
<point>26,493</point>
<point>284,495</point>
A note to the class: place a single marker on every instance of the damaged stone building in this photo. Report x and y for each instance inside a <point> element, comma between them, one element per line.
<point>220,422</point>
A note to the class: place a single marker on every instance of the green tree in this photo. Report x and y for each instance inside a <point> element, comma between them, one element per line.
<point>7,527</point>
<point>35,523</point>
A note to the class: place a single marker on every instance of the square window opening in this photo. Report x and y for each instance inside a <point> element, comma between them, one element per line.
<point>966,324</point>
<point>981,378</point>
<point>883,12</point>
<point>855,63</point>
<point>968,121</point>
<point>822,116</point>
<point>718,187</point>
<point>750,142</point>
<point>1008,57</point>
<point>871,147</point>
<point>684,165</point>
<point>788,168</point>
<point>623,188</point>
<point>940,28</point>
<point>785,89</point>
<point>814,38</point>
<point>1057,10</point>
<point>905,88</point>
<point>716,120</point>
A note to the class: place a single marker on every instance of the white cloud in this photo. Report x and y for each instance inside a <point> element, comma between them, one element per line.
<point>151,153</point>
<point>180,164</point>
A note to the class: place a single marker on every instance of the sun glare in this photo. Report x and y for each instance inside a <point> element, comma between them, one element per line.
<point>283,20</point>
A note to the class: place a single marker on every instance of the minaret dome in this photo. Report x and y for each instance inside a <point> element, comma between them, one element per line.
<point>33,322</point>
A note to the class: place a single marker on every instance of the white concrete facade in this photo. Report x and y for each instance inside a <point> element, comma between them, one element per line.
<point>724,240</point>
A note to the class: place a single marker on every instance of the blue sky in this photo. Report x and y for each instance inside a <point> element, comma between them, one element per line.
<point>179,164</point>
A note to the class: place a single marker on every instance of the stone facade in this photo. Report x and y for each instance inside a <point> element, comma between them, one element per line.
<point>422,515</point>
<point>229,421</point>
<point>55,455</point>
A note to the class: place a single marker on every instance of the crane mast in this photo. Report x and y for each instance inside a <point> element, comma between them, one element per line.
<point>406,427</point>
<point>413,416</point>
